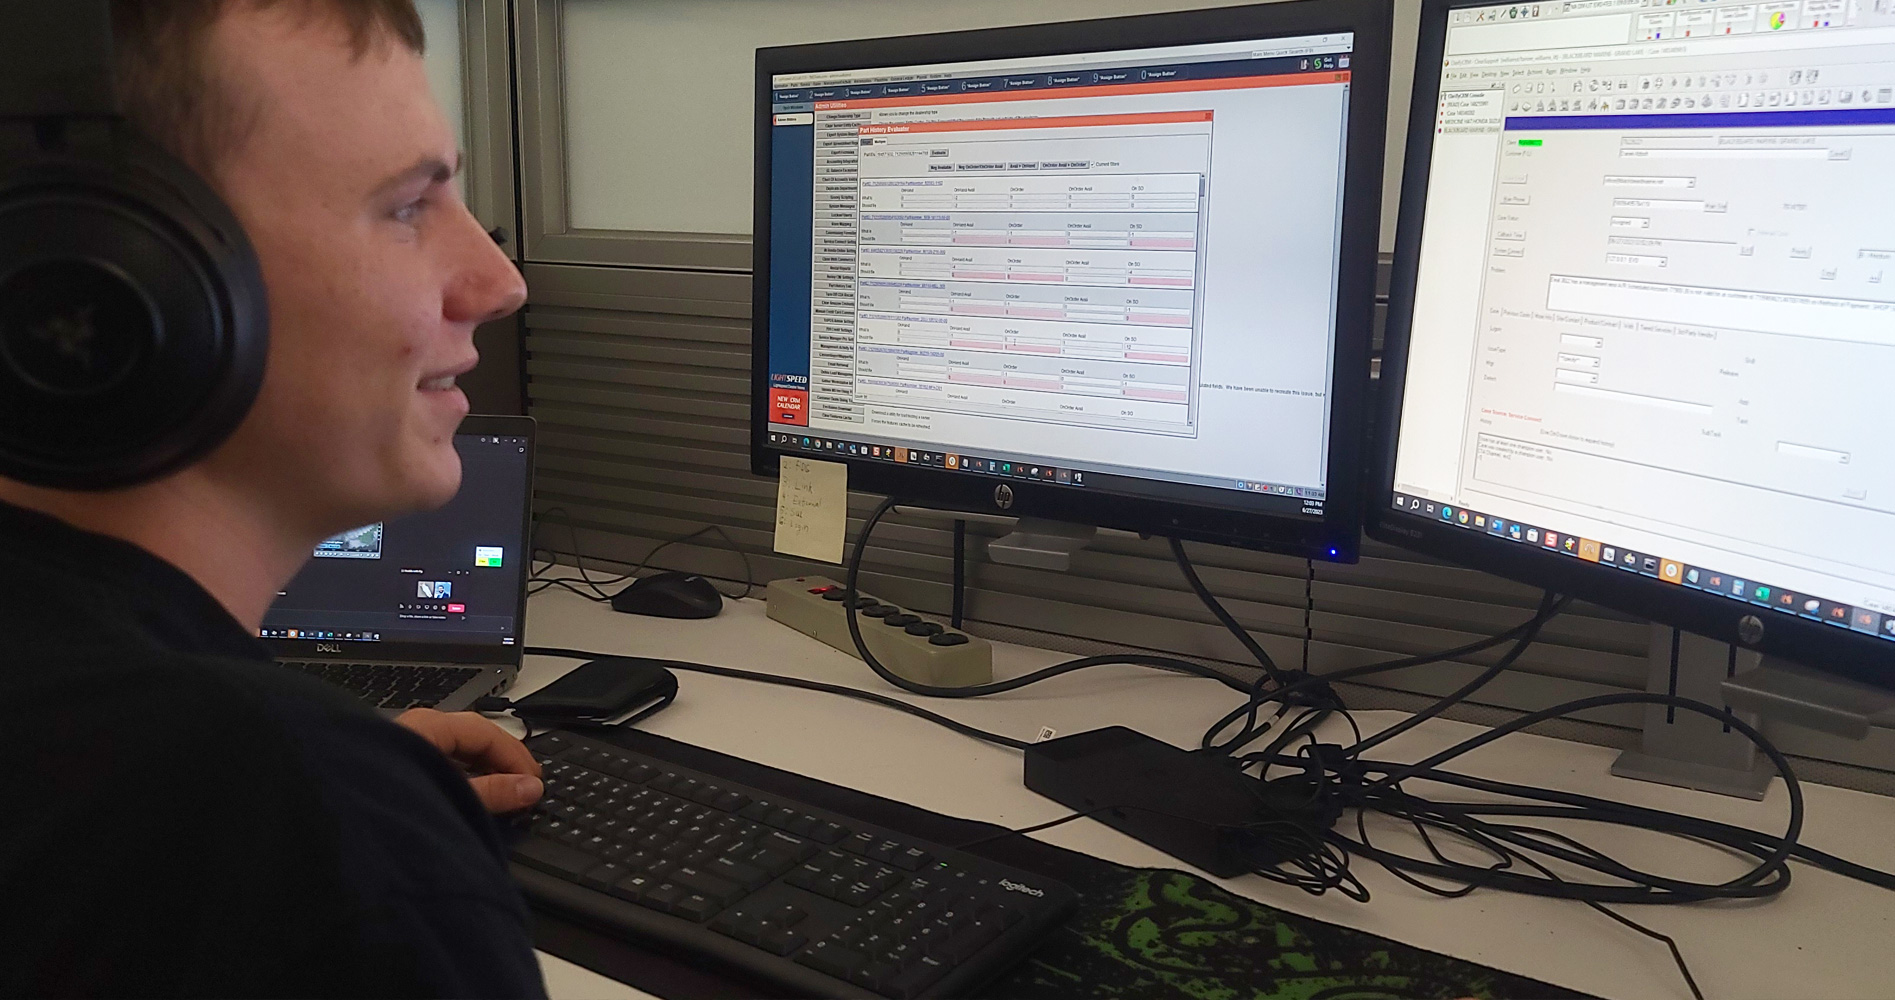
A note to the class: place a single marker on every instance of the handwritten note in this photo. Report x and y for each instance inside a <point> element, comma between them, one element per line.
<point>812,508</point>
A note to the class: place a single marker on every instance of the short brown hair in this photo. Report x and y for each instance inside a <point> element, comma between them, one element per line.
<point>172,94</point>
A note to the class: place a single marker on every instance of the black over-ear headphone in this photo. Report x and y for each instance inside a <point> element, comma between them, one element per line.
<point>133,320</point>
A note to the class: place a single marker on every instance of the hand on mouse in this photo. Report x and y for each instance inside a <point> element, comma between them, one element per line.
<point>501,769</point>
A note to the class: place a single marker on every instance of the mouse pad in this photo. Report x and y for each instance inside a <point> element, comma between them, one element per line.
<point>1138,932</point>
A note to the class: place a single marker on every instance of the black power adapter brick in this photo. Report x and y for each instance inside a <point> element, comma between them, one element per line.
<point>1197,807</point>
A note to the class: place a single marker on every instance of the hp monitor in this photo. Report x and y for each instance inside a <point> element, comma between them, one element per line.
<point>1117,272</point>
<point>1643,314</point>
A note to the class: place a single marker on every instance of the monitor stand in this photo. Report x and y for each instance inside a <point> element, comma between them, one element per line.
<point>1041,544</point>
<point>1694,751</point>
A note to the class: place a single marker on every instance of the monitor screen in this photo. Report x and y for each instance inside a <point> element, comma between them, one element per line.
<point>1652,310</point>
<point>1110,270</point>
<point>447,576</point>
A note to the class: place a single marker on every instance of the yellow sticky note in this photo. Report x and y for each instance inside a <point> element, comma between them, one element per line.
<point>812,508</point>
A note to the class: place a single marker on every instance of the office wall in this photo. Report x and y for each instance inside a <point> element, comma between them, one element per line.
<point>636,191</point>
<point>663,164</point>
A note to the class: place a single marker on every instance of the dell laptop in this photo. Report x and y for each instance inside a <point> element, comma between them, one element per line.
<point>424,611</point>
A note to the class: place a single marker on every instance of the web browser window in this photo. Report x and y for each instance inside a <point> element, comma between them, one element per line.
<point>1655,315</point>
<point>1087,268</point>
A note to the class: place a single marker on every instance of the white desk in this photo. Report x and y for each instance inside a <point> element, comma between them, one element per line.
<point>1826,936</point>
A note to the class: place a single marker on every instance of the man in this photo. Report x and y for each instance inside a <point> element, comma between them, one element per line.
<point>182,815</point>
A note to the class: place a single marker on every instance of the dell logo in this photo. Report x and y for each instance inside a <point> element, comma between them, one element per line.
<point>1003,496</point>
<point>328,647</point>
<point>1012,886</point>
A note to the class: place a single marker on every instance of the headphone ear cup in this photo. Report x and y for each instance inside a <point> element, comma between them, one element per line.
<point>134,324</point>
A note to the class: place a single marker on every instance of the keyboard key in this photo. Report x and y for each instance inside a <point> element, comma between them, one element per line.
<point>748,876</point>
<point>883,850</point>
<point>859,843</point>
<point>696,906</point>
<point>912,859</point>
<point>830,833</point>
<point>730,802</point>
<point>555,857</point>
<point>662,895</point>
<point>780,941</point>
<point>703,882</point>
<point>913,980</point>
<point>803,824</point>
<point>831,959</point>
<point>756,811</point>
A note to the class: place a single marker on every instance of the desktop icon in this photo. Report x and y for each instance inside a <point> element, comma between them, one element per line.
<point>901,454</point>
<point>1608,553</point>
<point>1447,513</point>
<point>1461,517</point>
<point>1569,545</point>
<point>1550,539</point>
<point>1739,588</point>
<point>1516,531</point>
<point>954,461</point>
<point>1692,576</point>
<point>1533,535</point>
<point>1760,594</point>
<point>1671,571</point>
<point>1812,607</point>
<point>1496,526</point>
<point>1589,550</point>
<point>1480,520</point>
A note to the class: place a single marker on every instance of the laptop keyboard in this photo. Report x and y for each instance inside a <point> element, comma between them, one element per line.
<point>392,686</point>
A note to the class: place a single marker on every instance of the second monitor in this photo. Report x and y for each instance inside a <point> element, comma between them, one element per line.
<point>1117,272</point>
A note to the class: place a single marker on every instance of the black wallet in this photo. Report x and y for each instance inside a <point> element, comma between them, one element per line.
<point>602,689</point>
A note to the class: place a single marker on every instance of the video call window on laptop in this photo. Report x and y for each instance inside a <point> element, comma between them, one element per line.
<point>417,609</point>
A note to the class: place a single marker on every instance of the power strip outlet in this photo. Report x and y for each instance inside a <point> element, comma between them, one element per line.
<point>911,648</point>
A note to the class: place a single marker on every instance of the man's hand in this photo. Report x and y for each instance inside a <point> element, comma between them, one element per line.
<point>501,769</point>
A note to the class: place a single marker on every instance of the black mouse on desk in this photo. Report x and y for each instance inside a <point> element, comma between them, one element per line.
<point>670,595</point>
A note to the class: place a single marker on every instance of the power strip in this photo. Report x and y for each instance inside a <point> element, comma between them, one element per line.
<point>911,648</point>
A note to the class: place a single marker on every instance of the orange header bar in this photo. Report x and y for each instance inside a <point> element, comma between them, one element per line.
<point>1104,90</point>
<point>1073,121</point>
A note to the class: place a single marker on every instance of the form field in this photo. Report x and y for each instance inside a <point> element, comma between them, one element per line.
<point>1858,320</point>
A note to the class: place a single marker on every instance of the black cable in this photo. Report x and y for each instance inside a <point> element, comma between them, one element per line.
<point>797,682</point>
<point>1551,604</point>
<point>1223,616</point>
<point>598,585</point>
<point>960,574</point>
<point>850,600</point>
<point>1529,627</point>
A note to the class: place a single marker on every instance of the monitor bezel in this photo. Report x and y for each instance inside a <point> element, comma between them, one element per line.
<point>1336,535</point>
<point>1817,644</point>
<point>470,653</point>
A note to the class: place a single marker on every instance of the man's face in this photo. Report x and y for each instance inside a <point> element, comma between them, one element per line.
<point>377,272</point>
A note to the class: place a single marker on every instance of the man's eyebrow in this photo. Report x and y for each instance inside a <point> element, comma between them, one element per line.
<point>432,169</point>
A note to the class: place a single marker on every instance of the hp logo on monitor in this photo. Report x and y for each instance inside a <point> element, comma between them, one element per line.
<point>1003,496</point>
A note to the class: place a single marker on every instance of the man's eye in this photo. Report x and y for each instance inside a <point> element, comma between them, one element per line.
<point>410,212</point>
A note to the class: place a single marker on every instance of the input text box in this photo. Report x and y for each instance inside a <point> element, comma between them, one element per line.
<point>1631,222</point>
<point>1643,181</point>
<point>1638,399</point>
<point>1726,153</point>
<point>1811,452</point>
<point>1635,259</point>
<point>1581,341</point>
<point>1566,376</point>
<point>1660,204</point>
<point>1584,362</point>
<point>1856,320</point>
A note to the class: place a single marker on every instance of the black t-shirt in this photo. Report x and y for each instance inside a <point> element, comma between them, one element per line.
<point>182,816</point>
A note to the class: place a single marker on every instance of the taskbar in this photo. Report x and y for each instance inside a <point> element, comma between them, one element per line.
<point>311,633</point>
<point>1657,567</point>
<point>1012,468</point>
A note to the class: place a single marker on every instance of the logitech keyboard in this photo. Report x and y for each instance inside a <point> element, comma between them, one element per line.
<point>796,899</point>
<point>393,686</point>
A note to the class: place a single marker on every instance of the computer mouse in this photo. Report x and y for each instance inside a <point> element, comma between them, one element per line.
<point>670,595</point>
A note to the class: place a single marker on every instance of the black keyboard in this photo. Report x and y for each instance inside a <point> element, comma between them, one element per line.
<point>800,900</point>
<point>392,686</point>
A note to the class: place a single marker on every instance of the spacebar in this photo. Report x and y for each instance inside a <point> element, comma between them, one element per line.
<point>554,857</point>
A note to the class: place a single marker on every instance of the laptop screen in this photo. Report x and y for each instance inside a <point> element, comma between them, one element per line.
<point>451,576</point>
